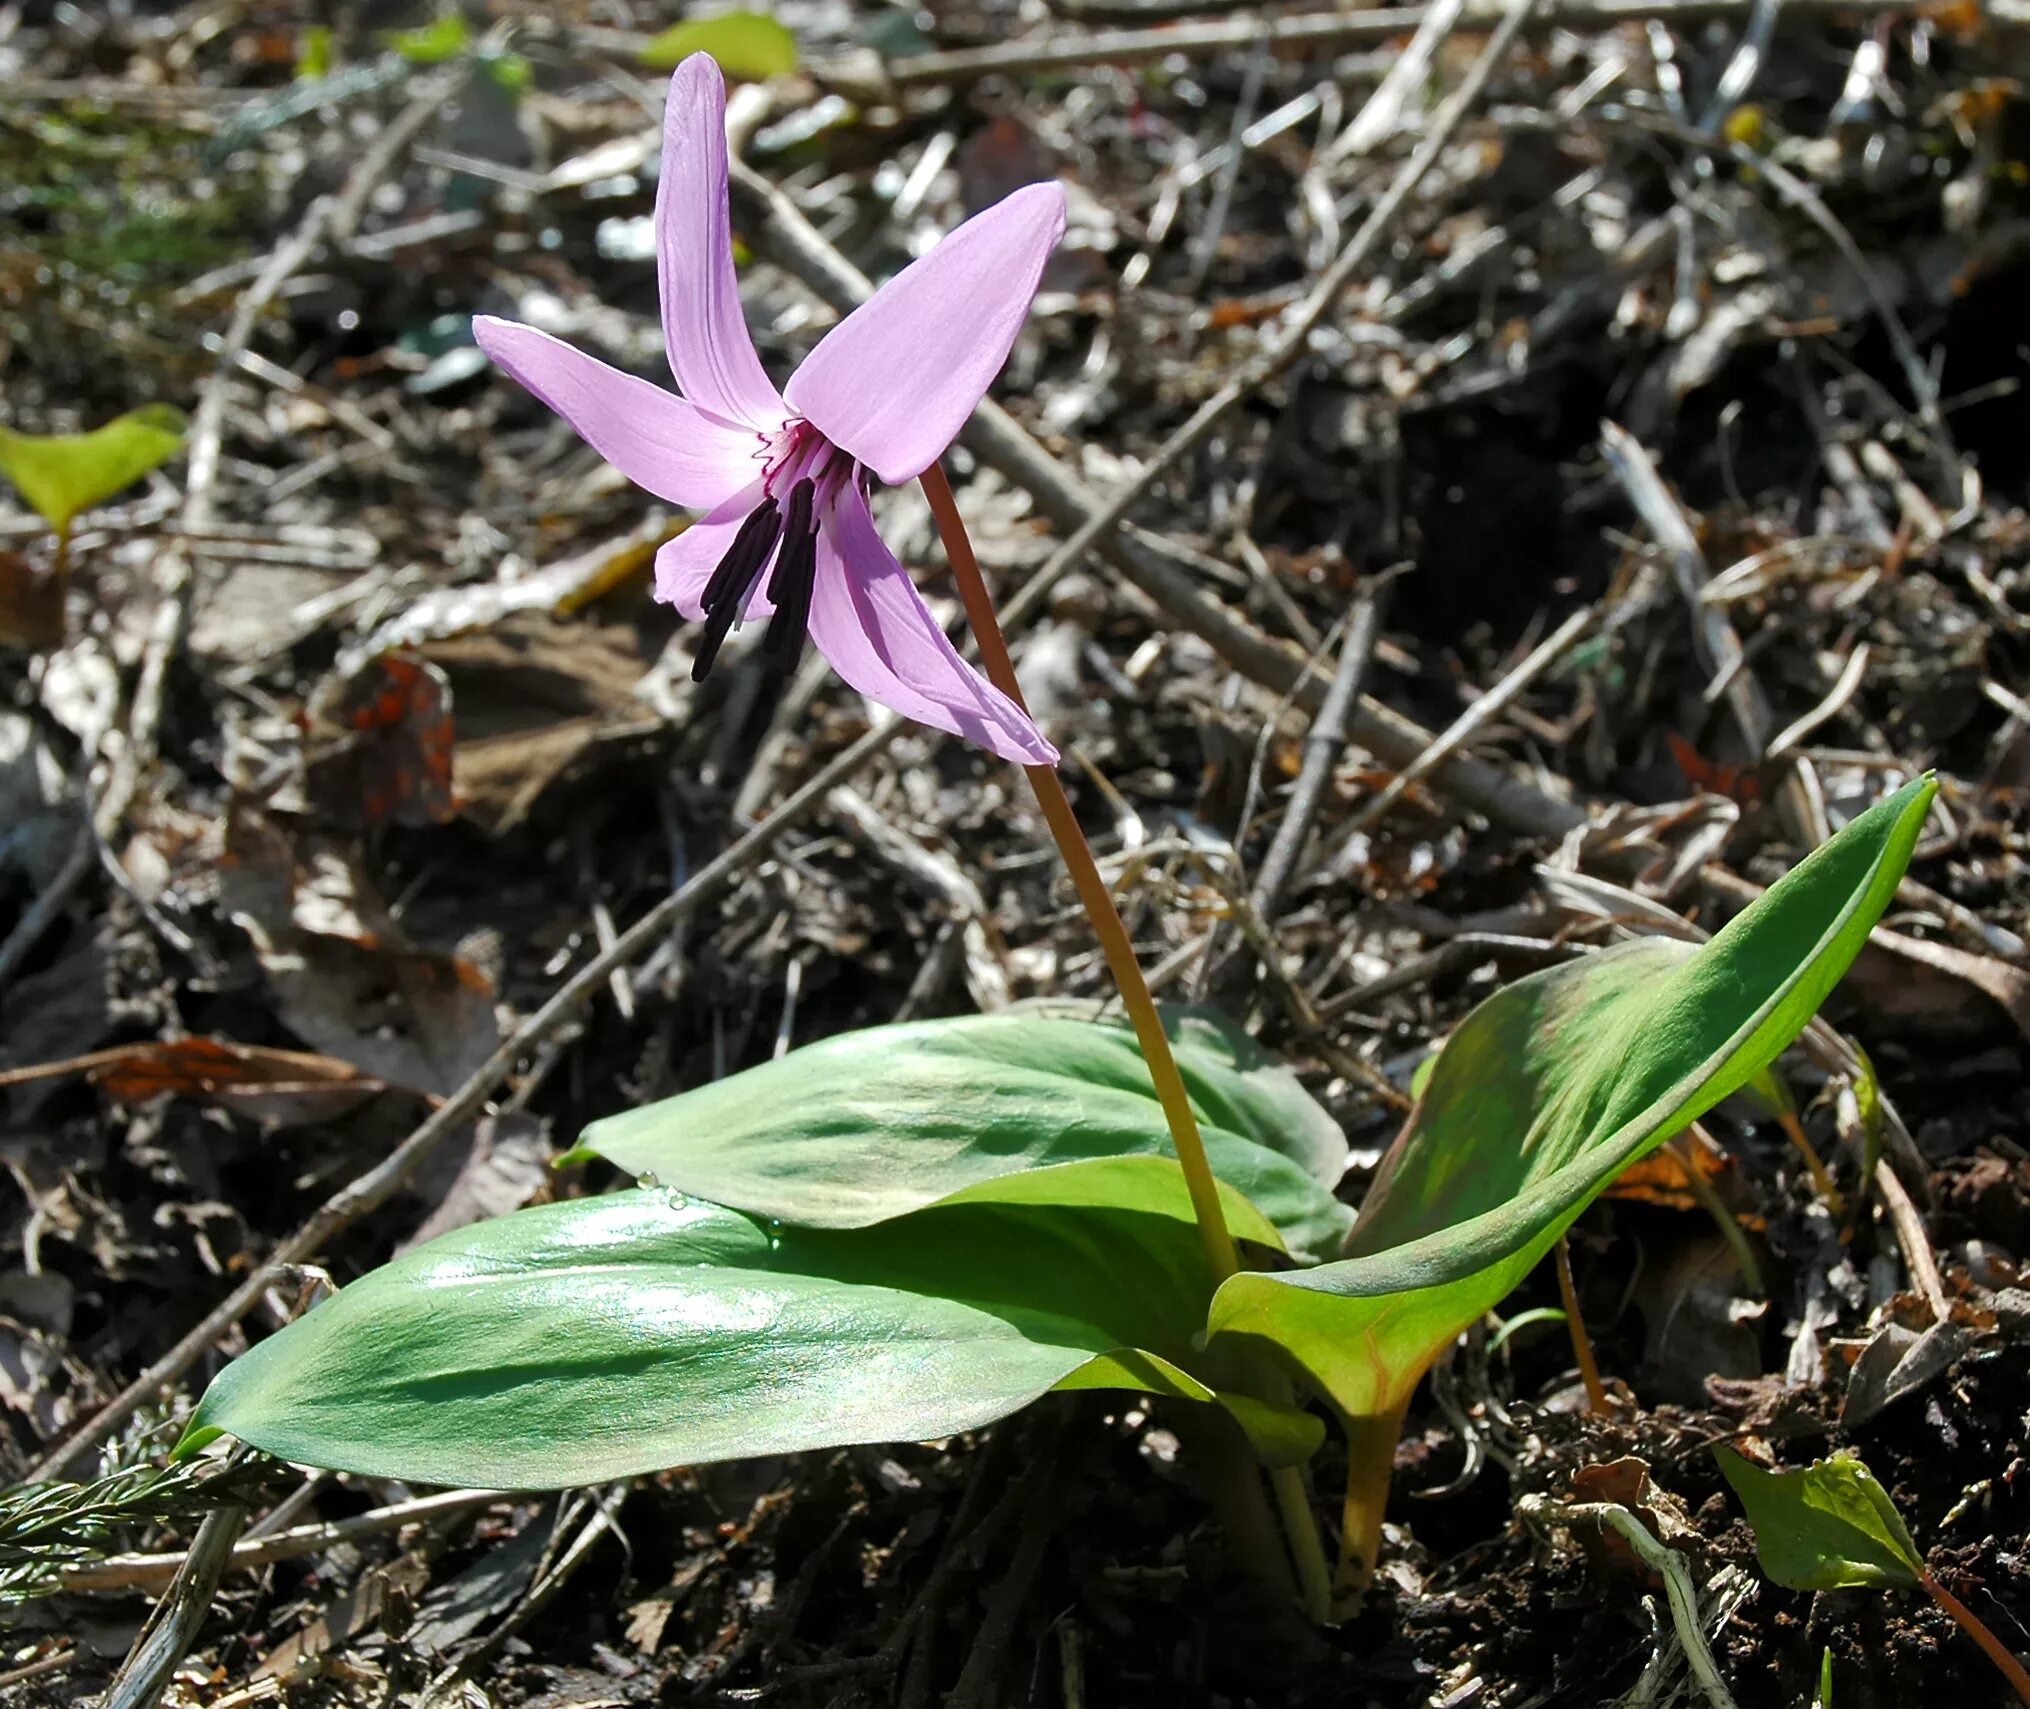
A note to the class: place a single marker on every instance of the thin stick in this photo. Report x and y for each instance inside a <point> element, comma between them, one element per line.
<point>1322,748</point>
<point>1107,925</point>
<point>40,915</point>
<point>55,1662</point>
<point>1293,336</point>
<point>1475,718</point>
<point>128,1572</point>
<point>173,1628</point>
<point>381,1182</point>
<point>1911,1236</point>
<point>1314,33</point>
<point>780,230</point>
<point>1815,1165</point>
<point>1971,1624</point>
<point>1582,1348</point>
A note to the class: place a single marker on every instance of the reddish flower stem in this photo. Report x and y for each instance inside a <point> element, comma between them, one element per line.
<point>1970,1623</point>
<point>1582,1347</point>
<point>1107,925</point>
<point>1292,1496</point>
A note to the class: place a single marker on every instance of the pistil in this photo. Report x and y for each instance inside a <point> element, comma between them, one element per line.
<point>803,463</point>
<point>796,568</point>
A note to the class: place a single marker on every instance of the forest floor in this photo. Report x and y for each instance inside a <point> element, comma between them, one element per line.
<point>1670,433</point>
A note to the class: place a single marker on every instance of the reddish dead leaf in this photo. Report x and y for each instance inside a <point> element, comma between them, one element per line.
<point>1661,1178</point>
<point>280,1086</point>
<point>380,746</point>
<point>1738,783</point>
<point>1961,18</point>
<point>1230,312</point>
<point>1620,1483</point>
<point>1625,1482</point>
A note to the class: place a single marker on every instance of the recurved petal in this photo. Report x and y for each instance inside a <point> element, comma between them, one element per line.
<point>711,353</point>
<point>651,436</point>
<point>684,565</point>
<point>895,380</point>
<point>868,619</point>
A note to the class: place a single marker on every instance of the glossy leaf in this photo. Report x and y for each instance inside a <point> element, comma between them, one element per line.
<point>607,1337</point>
<point>1830,1526</point>
<point>62,474</point>
<point>1544,1094</point>
<point>749,45</point>
<point>870,1125</point>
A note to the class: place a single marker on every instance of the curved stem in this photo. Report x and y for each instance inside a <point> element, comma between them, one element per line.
<point>1115,943</point>
<point>1970,1623</point>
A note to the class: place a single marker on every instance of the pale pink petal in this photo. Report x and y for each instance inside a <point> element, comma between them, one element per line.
<point>684,565</point>
<point>651,436</point>
<point>710,352</point>
<point>895,380</point>
<point>868,619</point>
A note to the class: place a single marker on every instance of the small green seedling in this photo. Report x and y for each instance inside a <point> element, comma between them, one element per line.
<point>435,43</point>
<point>1831,1526</point>
<point>915,1230</point>
<point>748,45</point>
<point>63,474</point>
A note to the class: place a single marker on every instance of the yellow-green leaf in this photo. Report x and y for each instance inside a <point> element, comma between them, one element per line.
<point>64,473</point>
<point>750,45</point>
<point>434,43</point>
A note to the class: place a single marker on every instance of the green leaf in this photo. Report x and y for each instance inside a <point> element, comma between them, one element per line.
<point>1549,1090</point>
<point>64,473</point>
<point>1150,1186</point>
<point>1824,1697</point>
<point>870,1125</point>
<point>509,71</point>
<point>433,43</point>
<point>313,56</point>
<point>607,1337</point>
<point>1830,1526</point>
<point>749,45</point>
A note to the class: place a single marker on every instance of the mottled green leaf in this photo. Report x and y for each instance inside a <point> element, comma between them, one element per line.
<point>870,1125</point>
<point>62,474</point>
<point>601,1338</point>
<point>748,45</point>
<point>1830,1526</point>
<point>1549,1090</point>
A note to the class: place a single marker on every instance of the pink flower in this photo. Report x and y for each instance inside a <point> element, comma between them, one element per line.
<point>782,477</point>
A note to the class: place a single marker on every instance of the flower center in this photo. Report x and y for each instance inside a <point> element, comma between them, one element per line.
<point>806,467</point>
